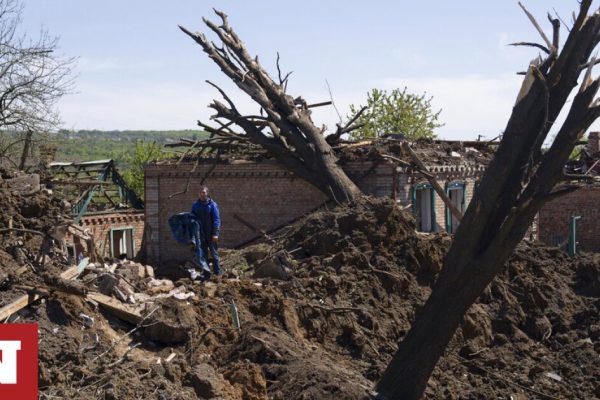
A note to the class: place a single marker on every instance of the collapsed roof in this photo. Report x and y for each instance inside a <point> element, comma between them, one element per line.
<point>431,152</point>
<point>92,186</point>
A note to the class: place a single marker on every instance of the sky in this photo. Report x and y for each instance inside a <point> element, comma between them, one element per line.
<point>136,70</point>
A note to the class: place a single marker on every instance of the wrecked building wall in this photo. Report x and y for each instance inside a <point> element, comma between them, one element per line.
<point>263,194</point>
<point>447,176</point>
<point>115,234</point>
<point>268,196</point>
<point>555,216</point>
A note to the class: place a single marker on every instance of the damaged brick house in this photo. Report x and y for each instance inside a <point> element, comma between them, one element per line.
<point>574,218</point>
<point>256,194</point>
<point>108,215</point>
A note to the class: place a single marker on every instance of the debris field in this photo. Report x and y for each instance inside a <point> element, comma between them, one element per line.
<point>316,313</point>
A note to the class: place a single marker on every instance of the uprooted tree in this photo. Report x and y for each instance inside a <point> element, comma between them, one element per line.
<point>284,127</point>
<point>519,180</point>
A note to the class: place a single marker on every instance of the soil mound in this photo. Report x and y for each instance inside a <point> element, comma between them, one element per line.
<point>317,313</point>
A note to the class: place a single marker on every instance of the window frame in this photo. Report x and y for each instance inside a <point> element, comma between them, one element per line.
<point>132,242</point>
<point>453,185</point>
<point>425,186</point>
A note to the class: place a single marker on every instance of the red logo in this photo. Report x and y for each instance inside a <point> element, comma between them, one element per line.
<point>19,361</point>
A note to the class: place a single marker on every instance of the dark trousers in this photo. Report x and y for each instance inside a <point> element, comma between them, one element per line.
<point>214,253</point>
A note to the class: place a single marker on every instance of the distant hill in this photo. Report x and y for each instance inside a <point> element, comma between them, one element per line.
<point>86,145</point>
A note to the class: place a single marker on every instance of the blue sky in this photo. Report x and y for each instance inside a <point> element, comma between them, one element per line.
<point>136,70</point>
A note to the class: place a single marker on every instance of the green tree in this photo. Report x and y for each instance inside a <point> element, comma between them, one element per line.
<point>396,112</point>
<point>143,153</point>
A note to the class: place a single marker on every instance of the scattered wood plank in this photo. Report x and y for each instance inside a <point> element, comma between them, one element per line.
<point>254,228</point>
<point>114,306</point>
<point>21,302</point>
<point>26,299</point>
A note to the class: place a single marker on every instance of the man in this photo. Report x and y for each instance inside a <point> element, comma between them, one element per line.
<point>207,210</point>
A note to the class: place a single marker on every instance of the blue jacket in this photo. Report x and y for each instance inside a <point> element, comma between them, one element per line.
<point>187,228</point>
<point>208,213</point>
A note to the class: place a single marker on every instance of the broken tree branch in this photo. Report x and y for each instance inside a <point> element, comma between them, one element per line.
<point>254,228</point>
<point>348,127</point>
<point>22,230</point>
<point>402,162</point>
<point>538,28</point>
<point>531,44</point>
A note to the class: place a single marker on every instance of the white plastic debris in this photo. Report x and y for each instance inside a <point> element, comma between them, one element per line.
<point>88,321</point>
<point>553,375</point>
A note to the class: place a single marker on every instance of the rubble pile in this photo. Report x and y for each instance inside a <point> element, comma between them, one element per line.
<point>316,313</point>
<point>436,152</point>
<point>131,282</point>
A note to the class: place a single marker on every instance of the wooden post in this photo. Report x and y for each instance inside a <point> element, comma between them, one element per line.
<point>436,186</point>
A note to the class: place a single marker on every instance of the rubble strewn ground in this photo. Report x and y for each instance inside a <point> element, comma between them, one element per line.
<point>321,310</point>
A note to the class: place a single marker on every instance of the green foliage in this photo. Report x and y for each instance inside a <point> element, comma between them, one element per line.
<point>576,153</point>
<point>130,150</point>
<point>396,112</point>
<point>143,153</point>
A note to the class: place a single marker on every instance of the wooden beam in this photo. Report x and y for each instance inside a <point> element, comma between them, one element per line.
<point>396,159</point>
<point>26,299</point>
<point>114,306</point>
<point>436,186</point>
<point>253,228</point>
<point>21,302</point>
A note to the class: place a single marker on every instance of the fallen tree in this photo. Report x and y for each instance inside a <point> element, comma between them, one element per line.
<point>284,126</point>
<point>519,180</point>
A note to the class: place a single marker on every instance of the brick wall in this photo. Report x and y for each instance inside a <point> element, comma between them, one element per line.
<point>264,194</point>
<point>554,218</point>
<point>100,225</point>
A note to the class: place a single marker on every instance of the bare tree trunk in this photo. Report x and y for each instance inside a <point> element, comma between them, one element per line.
<point>26,149</point>
<point>516,184</point>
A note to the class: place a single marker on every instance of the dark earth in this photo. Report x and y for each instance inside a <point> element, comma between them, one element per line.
<point>322,309</point>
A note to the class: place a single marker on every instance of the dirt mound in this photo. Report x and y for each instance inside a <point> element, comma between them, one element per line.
<point>336,294</point>
<point>362,273</point>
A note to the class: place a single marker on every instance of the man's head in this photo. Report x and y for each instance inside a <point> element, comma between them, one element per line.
<point>203,193</point>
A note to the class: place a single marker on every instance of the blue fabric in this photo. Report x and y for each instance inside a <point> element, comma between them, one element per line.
<point>208,212</point>
<point>187,229</point>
